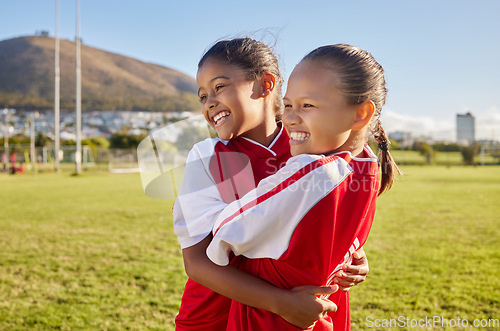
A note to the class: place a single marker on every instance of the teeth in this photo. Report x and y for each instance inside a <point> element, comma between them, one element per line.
<point>299,135</point>
<point>220,115</point>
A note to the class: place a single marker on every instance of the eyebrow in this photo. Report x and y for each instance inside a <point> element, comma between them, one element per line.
<point>216,77</point>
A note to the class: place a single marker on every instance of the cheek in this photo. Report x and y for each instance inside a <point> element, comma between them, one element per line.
<point>205,115</point>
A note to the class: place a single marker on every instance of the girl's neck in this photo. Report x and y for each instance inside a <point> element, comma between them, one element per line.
<point>264,133</point>
<point>354,144</point>
<point>357,141</point>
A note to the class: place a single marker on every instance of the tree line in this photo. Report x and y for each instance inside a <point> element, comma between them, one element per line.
<point>124,140</point>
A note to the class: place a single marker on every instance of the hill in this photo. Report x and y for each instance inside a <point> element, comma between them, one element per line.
<point>109,81</point>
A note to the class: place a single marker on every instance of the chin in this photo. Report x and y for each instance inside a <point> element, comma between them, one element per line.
<point>226,135</point>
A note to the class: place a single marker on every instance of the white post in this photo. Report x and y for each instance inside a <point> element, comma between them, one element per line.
<point>57,84</point>
<point>78,155</point>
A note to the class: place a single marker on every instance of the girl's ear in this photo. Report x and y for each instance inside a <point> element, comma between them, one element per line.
<point>364,114</point>
<point>268,84</point>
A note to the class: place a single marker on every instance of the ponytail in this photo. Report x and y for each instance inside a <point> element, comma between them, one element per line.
<point>388,167</point>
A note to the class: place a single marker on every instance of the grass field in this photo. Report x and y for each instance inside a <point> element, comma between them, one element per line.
<point>93,252</point>
<point>405,157</point>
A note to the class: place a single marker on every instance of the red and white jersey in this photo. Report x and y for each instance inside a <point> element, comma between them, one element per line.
<point>297,228</point>
<point>217,173</point>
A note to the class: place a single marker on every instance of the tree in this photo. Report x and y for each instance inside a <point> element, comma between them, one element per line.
<point>469,153</point>
<point>124,140</point>
<point>427,151</point>
<point>394,144</point>
<point>41,140</point>
<point>100,142</point>
<point>443,147</point>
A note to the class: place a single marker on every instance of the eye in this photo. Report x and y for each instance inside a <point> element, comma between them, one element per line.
<point>203,98</point>
<point>218,87</point>
<point>287,105</point>
<point>308,105</point>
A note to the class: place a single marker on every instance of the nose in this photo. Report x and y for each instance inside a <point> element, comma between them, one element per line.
<point>290,116</point>
<point>211,102</point>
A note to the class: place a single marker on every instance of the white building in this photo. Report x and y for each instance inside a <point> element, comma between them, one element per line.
<point>466,129</point>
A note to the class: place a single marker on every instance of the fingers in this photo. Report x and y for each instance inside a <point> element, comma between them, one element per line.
<point>359,265</point>
<point>346,281</point>
<point>360,262</point>
<point>320,290</point>
<point>359,254</point>
<point>345,285</point>
<point>361,270</point>
<point>328,306</point>
<point>349,278</point>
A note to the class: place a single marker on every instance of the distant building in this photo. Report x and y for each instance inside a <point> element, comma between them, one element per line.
<point>466,129</point>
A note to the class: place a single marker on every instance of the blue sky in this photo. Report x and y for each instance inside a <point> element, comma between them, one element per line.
<point>440,57</point>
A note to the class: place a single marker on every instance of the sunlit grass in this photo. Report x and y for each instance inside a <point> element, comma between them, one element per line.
<point>93,252</point>
<point>86,252</point>
<point>405,157</point>
<point>434,249</point>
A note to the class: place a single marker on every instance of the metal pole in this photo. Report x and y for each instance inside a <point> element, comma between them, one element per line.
<point>483,155</point>
<point>6,140</point>
<point>57,84</point>
<point>78,155</point>
<point>32,142</point>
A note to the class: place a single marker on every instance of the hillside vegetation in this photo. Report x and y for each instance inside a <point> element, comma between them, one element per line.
<point>109,81</point>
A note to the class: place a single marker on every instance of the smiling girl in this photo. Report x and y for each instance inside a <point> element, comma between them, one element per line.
<point>240,91</point>
<point>302,224</point>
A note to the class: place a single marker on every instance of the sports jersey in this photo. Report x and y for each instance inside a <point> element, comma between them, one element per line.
<point>297,228</point>
<point>217,173</point>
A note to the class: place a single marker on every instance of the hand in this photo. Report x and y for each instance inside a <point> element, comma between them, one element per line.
<point>303,308</point>
<point>353,274</point>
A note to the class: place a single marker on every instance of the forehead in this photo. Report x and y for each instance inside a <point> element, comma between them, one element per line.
<point>212,68</point>
<point>312,75</point>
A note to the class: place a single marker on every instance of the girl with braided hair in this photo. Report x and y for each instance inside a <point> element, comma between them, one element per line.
<point>240,91</point>
<point>302,225</point>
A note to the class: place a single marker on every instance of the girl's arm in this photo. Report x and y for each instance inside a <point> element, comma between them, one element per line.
<point>298,306</point>
<point>262,222</point>
<point>254,227</point>
<point>197,206</point>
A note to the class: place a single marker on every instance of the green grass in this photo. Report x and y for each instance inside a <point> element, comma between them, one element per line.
<point>92,252</point>
<point>434,249</point>
<point>86,252</point>
<point>440,158</point>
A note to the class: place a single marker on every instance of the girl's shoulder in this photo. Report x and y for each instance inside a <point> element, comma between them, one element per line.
<point>304,158</point>
<point>205,148</point>
<point>305,163</point>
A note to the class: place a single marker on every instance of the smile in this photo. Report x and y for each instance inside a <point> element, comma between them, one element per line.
<point>221,117</point>
<point>299,136</point>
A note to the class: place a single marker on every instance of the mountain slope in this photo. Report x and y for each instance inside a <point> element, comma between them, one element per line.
<point>109,81</point>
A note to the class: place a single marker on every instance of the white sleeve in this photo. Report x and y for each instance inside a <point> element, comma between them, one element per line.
<point>261,224</point>
<point>199,201</point>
